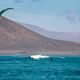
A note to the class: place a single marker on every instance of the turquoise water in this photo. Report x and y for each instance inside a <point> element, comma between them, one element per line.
<point>26,68</point>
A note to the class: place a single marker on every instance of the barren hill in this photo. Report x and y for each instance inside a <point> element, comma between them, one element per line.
<point>66,36</point>
<point>15,37</point>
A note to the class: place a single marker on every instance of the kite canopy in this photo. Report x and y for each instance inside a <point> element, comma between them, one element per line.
<point>4,10</point>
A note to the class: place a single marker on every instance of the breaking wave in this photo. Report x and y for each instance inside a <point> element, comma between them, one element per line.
<point>39,56</point>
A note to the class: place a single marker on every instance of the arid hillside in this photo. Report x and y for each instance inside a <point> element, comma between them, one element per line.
<point>15,37</point>
<point>66,36</point>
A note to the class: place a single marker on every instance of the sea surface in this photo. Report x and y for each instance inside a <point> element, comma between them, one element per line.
<point>51,68</point>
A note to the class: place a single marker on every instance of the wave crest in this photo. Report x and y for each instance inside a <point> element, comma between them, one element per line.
<point>39,56</point>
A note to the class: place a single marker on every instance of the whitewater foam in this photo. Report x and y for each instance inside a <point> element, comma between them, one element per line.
<point>39,56</point>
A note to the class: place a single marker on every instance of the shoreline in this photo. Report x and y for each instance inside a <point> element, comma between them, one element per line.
<point>28,53</point>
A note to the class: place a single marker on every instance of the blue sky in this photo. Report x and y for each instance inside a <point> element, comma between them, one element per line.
<point>54,15</point>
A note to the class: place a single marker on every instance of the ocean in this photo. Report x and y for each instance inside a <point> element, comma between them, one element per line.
<point>47,68</point>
